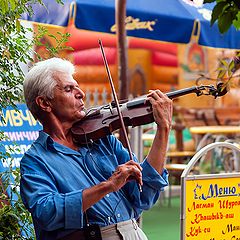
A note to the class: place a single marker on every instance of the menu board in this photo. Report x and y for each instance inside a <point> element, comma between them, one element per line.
<point>212,208</point>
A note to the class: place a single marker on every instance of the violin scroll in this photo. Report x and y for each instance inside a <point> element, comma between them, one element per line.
<point>218,91</point>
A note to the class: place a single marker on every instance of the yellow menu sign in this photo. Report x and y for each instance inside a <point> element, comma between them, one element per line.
<point>212,208</point>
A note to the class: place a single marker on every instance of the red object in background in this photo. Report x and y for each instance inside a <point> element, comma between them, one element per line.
<point>164,59</point>
<point>86,48</point>
<point>94,57</point>
<point>83,39</point>
<point>170,48</point>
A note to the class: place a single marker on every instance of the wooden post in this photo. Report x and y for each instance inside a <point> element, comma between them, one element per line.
<point>120,16</point>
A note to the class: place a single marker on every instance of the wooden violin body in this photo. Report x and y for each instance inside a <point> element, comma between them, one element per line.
<point>104,120</point>
<point>108,119</point>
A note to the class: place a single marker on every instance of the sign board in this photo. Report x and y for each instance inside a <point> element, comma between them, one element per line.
<point>212,207</point>
<point>20,130</point>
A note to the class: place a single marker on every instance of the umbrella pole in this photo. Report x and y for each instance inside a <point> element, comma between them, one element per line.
<point>120,16</point>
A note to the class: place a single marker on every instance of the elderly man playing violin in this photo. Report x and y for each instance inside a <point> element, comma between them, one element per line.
<point>77,191</point>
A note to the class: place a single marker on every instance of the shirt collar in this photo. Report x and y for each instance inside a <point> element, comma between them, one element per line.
<point>48,143</point>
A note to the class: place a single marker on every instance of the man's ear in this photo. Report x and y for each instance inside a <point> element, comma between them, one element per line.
<point>43,103</point>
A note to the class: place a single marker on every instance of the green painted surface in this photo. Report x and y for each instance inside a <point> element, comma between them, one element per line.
<point>163,222</point>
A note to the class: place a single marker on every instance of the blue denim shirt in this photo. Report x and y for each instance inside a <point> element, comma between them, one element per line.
<point>53,177</point>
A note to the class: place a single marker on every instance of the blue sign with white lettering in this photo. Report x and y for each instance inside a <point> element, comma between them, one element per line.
<point>20,129</point>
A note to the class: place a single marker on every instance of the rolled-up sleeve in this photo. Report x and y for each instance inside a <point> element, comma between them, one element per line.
<point>50,209</point>
<point>73,218</point>
<point>153,182</point>
<point>152,178</point>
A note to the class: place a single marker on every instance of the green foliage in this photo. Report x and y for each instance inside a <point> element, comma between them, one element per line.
<point>60,40</point>
<point>227,69</point>
<point>236,22</point>
<point>226,12</point>
<point>226,73</point>
<point>16,49</point>
<point>15,220</point>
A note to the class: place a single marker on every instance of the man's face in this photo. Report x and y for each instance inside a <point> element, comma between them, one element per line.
<point>67,105</point>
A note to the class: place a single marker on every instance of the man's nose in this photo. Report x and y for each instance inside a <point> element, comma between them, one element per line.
<point>80,94</point>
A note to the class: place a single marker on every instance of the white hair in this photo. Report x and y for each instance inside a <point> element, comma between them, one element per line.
<point>40,81</point>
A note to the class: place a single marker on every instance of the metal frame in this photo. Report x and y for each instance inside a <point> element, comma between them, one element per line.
<point>185,177</point>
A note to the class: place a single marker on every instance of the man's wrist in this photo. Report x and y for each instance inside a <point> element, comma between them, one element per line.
<point>108,186</point>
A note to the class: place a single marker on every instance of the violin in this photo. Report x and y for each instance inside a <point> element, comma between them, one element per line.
<point>103,120</point>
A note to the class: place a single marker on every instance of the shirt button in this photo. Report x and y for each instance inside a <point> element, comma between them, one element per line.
<point>118,215</point>
<point>107,195</point>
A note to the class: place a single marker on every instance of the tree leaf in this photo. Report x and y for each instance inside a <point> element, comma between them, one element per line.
<point>217,11</point>
<point>4,6</point>
<point>12,4</point>
<point>231,65</point>
<point>18,25</point>
<point>224,62</point>
<point>224,22</point>
<point>236,21</point>
<point>221,74</point>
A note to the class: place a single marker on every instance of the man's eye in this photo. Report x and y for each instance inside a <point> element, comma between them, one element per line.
<point>68,89</point>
